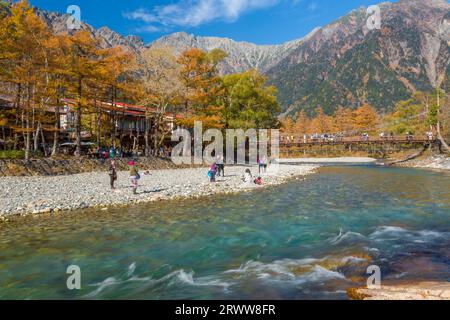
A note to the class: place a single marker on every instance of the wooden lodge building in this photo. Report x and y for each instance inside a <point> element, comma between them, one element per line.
<point>126,122</point>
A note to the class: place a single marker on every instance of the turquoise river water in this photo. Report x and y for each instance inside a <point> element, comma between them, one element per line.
<point>311,238</point>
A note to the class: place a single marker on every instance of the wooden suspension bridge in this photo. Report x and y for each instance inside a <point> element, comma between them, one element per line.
<point>378,147</point>
<point>353,140</point>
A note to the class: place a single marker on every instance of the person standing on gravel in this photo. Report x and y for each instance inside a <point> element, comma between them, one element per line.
<point>112,174</point>
<point>220,166</point>
<point>134,176</point>
<point>262,165</point>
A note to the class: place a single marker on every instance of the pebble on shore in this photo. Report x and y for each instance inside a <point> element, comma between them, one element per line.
<point>44,194</point>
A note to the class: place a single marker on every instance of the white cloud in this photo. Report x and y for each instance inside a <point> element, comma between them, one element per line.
<point>313,6</point>
<point>192,13</point>
<point>149,29</point>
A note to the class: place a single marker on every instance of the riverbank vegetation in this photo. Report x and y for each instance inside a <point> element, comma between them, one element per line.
<point>60,88</point>
<point>45,76</point>
<point>420,114</point>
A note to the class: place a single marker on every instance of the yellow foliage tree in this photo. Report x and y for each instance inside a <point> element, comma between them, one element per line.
<point>302,124</point>
<point>344,121</point>
<point>321,123</point>
<point>366,119</point>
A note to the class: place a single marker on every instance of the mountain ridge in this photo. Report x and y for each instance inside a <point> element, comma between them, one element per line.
<point>342,63</point>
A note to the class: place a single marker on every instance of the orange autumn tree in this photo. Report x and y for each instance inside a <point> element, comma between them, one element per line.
<point>321,123</point>
<point>344,120</point>
<point>24,68</point>
<point>366,119</point>
<point>161,91</point>
<point>117,72</point>
<point>58,48</point>
<point>287,126</point>
<point>202,87</point>
<point>84,63</point>
<point>302,124</point>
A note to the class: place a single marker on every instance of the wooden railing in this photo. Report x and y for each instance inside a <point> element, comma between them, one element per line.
<point>353,140</point>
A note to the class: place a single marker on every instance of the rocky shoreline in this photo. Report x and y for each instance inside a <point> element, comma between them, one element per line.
<point>438,162</point>
<point>407,291</point>
<point>45,194</point>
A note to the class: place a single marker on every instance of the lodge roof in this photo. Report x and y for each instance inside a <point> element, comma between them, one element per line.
<point>120,107</point>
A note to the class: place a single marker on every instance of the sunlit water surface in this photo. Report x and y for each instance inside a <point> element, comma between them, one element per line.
<point>309,239</point>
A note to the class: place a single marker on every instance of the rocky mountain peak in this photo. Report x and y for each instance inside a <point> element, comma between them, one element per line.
<point>342,63</point>
<point>430,3</point>
<point>347,64</point>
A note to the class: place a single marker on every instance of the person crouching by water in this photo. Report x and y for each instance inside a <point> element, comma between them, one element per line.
<point>134,176</point>
<point>212,172</point>
<point>258,181</point>
<point>112,174</point>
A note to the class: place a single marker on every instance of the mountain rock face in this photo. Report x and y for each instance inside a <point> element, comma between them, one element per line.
<point>343,63</point>
<point>108,38</point>
<point>242,56</point>
<point>347,64</point>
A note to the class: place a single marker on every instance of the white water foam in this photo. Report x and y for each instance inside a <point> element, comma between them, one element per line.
<point>384,233</point>
<point>320,274</point>
<point>287,270</point>
<point>188,278</point>
<point>347,236</point>
<point>108,282</point>
<point>131,269</point>
<point>294,271</point>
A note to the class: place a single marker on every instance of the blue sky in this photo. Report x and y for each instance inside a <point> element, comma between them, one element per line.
<point>258,21</point>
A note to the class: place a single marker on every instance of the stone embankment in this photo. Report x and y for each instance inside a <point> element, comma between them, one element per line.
<point>61,166</point>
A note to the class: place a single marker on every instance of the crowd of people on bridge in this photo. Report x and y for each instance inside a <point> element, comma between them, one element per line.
<point>340,137</point>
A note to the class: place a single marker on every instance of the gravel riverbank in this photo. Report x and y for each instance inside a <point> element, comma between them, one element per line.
<point>340,160</point>
<point>406,291</point>
<point>438,162</point>
<point>34,195</point>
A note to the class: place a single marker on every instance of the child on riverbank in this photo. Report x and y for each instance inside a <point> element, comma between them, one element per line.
<point>134,176</point>
<point>212,172</point>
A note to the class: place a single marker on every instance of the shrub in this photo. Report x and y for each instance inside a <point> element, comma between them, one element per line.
<point>12,154</point>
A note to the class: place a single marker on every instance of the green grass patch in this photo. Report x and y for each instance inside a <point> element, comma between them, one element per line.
<point>12,154</point>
